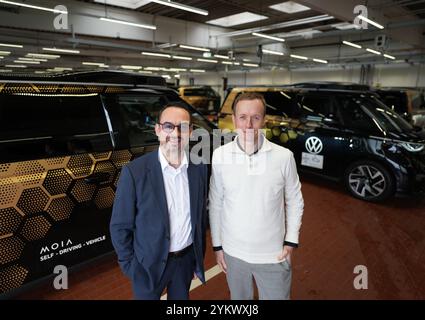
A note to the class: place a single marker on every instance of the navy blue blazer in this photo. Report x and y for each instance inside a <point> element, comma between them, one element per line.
<point>140,228</point>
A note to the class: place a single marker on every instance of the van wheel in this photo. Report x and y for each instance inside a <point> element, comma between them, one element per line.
<point>369,181</point>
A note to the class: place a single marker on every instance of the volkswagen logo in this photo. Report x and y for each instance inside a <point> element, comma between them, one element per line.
<point>314,145</point>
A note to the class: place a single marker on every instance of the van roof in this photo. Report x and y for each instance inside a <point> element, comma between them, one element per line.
<point>89,77</point>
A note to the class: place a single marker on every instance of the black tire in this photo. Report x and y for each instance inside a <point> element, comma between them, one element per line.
<point>370,181</point>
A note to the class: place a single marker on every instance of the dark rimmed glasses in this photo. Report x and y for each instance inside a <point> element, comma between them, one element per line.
<point>169,127</point>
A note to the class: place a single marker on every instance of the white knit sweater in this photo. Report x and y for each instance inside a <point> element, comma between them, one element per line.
<point>255,201</point>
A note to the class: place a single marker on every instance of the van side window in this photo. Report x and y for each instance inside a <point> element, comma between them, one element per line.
<point>318,105</point>
<point>139,114</point>
<point>39,126</point>
<point>354,117</point>
<point>280,103</point>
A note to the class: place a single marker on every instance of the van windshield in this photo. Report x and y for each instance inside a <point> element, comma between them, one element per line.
<point>388,119</point>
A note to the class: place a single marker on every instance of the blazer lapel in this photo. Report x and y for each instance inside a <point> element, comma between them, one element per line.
<point>193,195</point>
<point>157,181</point>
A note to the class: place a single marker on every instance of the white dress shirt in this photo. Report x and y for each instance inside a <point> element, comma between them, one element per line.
<point>176,185</point>
<point>255,201</point>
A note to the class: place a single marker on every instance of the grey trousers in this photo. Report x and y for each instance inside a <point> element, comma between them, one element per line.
<point>273,280</point>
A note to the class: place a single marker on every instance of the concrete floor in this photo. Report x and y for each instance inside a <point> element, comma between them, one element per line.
<point>338,233</point>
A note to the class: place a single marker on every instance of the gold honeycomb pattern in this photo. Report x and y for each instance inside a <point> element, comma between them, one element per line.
<point>8,191</point>
<point>80,165</point>
<point>101,155</point>
<point>83,191</point>
<point>29,173</point>
<point>55,161</point>
<point>57,181</point>
<point>105,166</point>
<point>104,198</point>
<point>11,249</point>
<point>60,208</point>
<point>120,158</point>
<point>35,228</point>
<point>33,200</point>
<point>10,219</point>
<point>12,277</point>
<point>4,167</point>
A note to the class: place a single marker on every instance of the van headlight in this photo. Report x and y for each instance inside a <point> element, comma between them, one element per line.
<point>412,147</point>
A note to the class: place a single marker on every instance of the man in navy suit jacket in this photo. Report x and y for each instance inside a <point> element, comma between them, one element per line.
<point>159,215</point>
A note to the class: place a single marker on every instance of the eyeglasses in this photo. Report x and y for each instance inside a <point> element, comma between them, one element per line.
<point>169,127</point>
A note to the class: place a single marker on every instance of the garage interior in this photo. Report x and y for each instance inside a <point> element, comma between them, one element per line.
<point>239,43</point>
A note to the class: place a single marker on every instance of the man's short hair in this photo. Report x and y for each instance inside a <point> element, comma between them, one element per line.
<point>249,96</point>
<point>175,104</point>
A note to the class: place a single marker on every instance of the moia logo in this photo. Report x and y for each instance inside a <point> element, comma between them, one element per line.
<point>60,22</point>
<point>55,246</point>
<point>61,280</point>
<point>360,10</point>
<point>361,280</point>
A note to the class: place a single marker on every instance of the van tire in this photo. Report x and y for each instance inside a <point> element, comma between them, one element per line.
<point>370,181</point>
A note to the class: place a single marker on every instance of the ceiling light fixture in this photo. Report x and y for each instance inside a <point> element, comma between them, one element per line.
<point>250,64</point>
<point>373,51</point>
<point>127,67</point>
<point>320,60</point>
<point>207,60</point>
<point>11,45</point>
<point>352,44</point>
<point>154,54</point>
<point>32,6</point>
<point>26,61</point>
<point>277,53</point>
<point>389,57</point>
<point>267,36</point>
<point>146,26</point>
<point>181,58</point>
<point>183,46</point>
<point>298,57</point>
<point>370,22</point>
<point>221,56</point>
<point>181,6</point>
<point>197,70</point>
<point>15,66</point>
<point>61,50</point>
<point>41,55</point>
<point>4,53</point>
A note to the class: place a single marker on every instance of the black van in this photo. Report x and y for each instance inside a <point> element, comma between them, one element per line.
<point>63,142</point>
<point>343,132</point>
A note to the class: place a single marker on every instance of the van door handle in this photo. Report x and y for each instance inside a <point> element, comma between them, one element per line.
<point>97,178</point>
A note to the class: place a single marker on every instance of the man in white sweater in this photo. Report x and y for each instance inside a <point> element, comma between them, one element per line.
<point>255,207</point>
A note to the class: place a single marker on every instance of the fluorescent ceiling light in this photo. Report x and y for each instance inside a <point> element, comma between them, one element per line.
<point>154,54</point>
<point>130,4</point>
<point>247,60</point>
<point>62,69</point>
<point>33,59</point>
<point>41,55</point>
<point>15,66</point>
<point>183,46</point>
<point>267,36</point>
<point>389,57</point>
<point>226,62</point>
<point>221,56</point>
<point>197,70</point>
<point>298,57</point>
<point>177,69</point>
<point>320,60</point>
<point>26,61</point>
<point>11,45</point>
<point>4,53</point>
<point>345,26</point>
<point>61,50</point>
<point>5,70</point>
<point>166,45</point>
<point>272,52</point>
<point>207,60</point>
<point>352,44</point>
<point>127,67</point>
<point>302,32</point>
<point>289,7</point>
<point>237,19</point>
<point>176,76</point>
<point>181,58</point>
<point>100,65</point>
<point>181,6</point>
<point>250,64</point>
<point>373,51</point>
<point>153,68</point>
<point>146,26</point>
<point>32,6</point>
<point>145,71</point>
<point>370,22</point>
<point>236,63</point>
